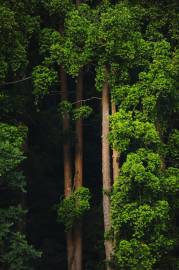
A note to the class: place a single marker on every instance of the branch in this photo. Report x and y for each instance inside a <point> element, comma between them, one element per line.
<point>18,81</point>
<point>87,99</point>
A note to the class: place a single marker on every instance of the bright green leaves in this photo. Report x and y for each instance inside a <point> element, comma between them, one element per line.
<point>141,212</point>
<point>82,112</point>
<point>117,32</point>
<point>134,255</point>
<point>141,169</point>
<point>141,204</point>
<point>100,77</point>
<point>127,130</point>
<point>72,208</point>
<point>78,34</point>
<point>44,78</point>
<point>73,51</point>
<point>64,107</point>
<point>50,45</point>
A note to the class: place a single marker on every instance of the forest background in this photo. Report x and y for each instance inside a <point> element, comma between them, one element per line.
<point>89,142</point>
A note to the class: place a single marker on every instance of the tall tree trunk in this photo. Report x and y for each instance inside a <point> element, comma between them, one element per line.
<point>67,162</point>
<point>78,2</point>
<point>78,180</point>
<point>106,169</point>
<point>115,154</point>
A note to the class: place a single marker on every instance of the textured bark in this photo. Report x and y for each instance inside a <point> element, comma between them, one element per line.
<point>78,180</point>
<point>115,154</point>
<point>67,163</point>
<point>106,169</point>
<point>79,136</point>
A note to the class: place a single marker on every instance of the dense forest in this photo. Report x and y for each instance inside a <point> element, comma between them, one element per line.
<point>89,145</point>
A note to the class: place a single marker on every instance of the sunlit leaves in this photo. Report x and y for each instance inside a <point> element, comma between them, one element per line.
<point>72,208</point>
<point>43,78</point>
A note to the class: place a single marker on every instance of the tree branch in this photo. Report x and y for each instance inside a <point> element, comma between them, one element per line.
<point>18,81</point>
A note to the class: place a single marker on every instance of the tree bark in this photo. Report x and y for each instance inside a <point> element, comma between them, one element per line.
<point>106,169</point>
<point>78,180</point>
<point>115,154</point>
<point>67,163</point>
<point>78,2</point>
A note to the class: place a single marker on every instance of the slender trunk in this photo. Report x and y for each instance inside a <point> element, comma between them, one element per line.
<point>78,180</point>
<point>115,154</point>
<point>106,169</point>
<point>79,136</point>
<point>67,162</point>
<point>78,2</point>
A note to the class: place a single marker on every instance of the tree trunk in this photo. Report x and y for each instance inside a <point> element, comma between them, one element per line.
<point>106,169</point>
<point>78,2</point>
<point>78,180</point>
<point>67,162</point>
<point>115,154</point>
<point>79,136</point>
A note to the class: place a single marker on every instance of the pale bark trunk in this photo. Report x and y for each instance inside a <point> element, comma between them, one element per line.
<point>106,169</point>
<point>67,163</point>
<point>115,154</point>
<point>78,180</point>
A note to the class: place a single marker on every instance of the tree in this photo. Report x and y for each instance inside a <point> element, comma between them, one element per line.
<point>14,248</point>
<point>17,25</point>
<point>142,209</point>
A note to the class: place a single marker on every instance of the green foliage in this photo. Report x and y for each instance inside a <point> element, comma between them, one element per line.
<point>140,210</point>
<point>11,140</point>
<point>16,25</point>
<point>134,255</point>
<point>72,208</point>
<point>128,128</point>
<point>100,77</point>
<point>15,252</point>
<point>144,82</point>
<point>77,51</point>
<point>49,41</point>
<point>57,7</point>
<point>18,247</point>
<point>82,112</point>
<point>173,147</point>
<point>137,43</point>
<point>43,79</point>
<point>64,107</point>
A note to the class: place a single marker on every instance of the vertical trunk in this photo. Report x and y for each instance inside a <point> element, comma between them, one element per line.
<point>79,136</point>
<point>78,2</point>
<point>106,169</point>
<point>115,154</point>
<point>78,180</point>
<point>67,161</point>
